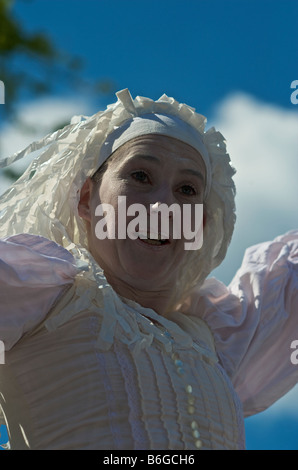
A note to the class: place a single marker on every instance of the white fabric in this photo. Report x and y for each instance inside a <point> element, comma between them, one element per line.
<point>170,126</point>
<point>28,294</point>
<point>253,322</point>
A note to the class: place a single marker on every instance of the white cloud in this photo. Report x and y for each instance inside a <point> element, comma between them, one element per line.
<point>262,141</point>
<point>286,406</point>
<point>263,144</point>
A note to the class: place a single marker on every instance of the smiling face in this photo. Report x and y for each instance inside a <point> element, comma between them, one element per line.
<point>148,170</point>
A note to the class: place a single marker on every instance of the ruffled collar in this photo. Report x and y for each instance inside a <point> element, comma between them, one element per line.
<point>122,319</point>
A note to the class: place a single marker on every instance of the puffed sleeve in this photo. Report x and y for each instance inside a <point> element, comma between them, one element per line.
<point>34,271</point>
<point>255,321</point>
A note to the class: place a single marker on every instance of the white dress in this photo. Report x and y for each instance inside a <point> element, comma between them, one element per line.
<point>86,369</point>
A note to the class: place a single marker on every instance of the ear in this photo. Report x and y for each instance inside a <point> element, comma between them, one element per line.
<point>85,200</point>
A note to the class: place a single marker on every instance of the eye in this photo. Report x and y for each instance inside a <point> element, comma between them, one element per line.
<point>140,176</point>
<point>188,190</point>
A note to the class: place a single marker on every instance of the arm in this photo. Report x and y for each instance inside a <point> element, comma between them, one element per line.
<point>255,320</point>
<point>33,273</point>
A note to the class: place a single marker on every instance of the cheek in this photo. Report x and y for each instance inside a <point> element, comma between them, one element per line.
<point>105,252</point>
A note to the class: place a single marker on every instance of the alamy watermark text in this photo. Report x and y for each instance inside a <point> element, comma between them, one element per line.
<point>2,353</point>
<point>294,95</point>
<point>2,92</point>
<point>161,223</point>
<point>294,355</point>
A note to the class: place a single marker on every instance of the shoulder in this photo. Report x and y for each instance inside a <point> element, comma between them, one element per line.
<point>33,273</point>
<point>32,259</point>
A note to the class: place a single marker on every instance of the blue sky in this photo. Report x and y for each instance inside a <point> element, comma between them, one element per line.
<point>234,61</point>
<point>197,50</point>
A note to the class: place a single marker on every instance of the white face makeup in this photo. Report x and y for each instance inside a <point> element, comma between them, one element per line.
<point>149,170</point>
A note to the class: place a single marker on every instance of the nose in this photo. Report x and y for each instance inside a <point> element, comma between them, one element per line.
<point>155,206</point>
<point>163,213</point>
<point>162,196</point>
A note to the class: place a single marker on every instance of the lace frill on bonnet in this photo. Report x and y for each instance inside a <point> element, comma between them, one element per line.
<point>44,201</point>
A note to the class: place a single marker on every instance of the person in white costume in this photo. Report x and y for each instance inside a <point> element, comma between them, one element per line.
<point>128,344</point>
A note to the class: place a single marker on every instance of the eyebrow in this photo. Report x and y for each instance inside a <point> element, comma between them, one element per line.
<point>156,160</point>
<point>145,157</point>
<point>198,174</point>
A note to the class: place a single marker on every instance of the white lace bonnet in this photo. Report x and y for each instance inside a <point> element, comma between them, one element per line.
<point>44,201</point>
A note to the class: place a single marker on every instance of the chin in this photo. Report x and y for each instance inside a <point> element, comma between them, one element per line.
<point>149,277</point>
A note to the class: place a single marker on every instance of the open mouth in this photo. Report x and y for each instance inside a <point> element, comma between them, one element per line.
<point>157,241</point>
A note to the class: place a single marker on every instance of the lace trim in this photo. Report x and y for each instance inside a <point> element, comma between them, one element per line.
<point>238,408</point>
<point>135,414</point>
